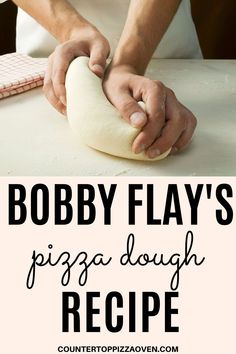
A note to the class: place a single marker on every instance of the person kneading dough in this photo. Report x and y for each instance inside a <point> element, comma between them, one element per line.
<point>131,32</point>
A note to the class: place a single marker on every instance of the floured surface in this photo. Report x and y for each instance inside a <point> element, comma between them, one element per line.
<point>36,140</point>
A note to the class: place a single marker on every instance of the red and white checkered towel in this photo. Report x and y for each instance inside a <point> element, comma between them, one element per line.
<point>20,73</point>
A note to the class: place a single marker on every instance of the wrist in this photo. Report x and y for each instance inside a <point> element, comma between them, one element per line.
<point>75,29</point>
<point>82,28</point>
<point>118,67</point>
<point>133,55</point>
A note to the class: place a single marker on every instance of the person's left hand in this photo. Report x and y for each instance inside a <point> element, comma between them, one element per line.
<point>85,41</point>
<point>165,124</point>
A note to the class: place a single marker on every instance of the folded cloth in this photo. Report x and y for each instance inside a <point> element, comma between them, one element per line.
<point>20,73</point>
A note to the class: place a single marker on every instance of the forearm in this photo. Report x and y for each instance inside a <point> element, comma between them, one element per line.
<point>57,16</point>
<point>146,23</point>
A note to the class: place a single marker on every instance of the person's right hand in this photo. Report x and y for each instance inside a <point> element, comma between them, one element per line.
<point>164,124</point>
<point>87,41</point>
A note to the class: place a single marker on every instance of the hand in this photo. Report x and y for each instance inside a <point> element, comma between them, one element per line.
<point>165,125</point>
<point>87,41</point>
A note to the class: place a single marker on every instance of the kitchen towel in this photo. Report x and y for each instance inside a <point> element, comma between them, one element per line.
<point>20,73</point>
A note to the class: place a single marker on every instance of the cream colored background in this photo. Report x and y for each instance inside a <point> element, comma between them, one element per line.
<point>31,320</point>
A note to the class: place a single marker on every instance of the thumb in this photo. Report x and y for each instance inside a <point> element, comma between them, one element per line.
<point>131,110</point>
<point>97,61</point>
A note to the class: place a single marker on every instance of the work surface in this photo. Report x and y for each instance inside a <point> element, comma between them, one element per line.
<point>36,140</point>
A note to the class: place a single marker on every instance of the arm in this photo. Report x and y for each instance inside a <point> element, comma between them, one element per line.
<point>166,123</point>
<point>145,26</point>
<point>57,16</point>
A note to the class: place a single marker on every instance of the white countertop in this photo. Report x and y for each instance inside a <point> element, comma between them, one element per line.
<point>36,140</point>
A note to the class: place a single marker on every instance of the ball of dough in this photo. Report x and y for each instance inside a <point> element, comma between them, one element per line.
<point>93,118</point>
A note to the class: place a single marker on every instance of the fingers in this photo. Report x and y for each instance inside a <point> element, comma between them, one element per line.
<point>169,125</point>
<point>170,134</point>
<point>130,109</point>
<point>186,137</point>
<point>49,92</point>
<point>152,119</point>
<point>54,81</point>
<point>176,134</point>
<point>98,57</point>
<point>61,62</point>
<point>154,97</point>
<point>53,99</point>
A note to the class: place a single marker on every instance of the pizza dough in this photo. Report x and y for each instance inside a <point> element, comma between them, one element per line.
<point>93,118</point>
